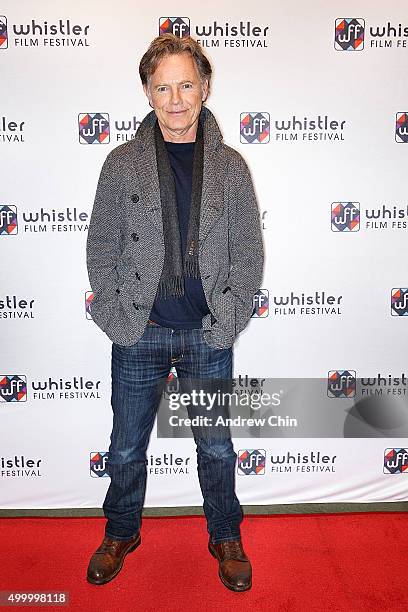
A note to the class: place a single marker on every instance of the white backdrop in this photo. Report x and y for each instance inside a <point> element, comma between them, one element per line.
<point>61,64</point>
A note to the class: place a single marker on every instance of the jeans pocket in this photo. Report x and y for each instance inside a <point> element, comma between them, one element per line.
<point>151,323</point>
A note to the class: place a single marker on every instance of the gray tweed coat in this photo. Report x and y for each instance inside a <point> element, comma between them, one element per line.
<point>125,244</point>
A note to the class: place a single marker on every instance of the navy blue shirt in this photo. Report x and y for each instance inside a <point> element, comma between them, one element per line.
<point>185,312</point>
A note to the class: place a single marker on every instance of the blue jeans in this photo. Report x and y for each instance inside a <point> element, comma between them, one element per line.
<point>139,374</point>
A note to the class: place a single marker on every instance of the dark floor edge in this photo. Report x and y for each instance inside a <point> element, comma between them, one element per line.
<point>325,508</point>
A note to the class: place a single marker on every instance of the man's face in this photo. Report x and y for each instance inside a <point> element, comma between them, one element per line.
<point>176,93</point>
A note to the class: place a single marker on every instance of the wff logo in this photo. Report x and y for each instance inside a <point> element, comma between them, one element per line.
<point>89,296</point>
<point>255,128</point>
<point>341,383</point>
<point>261,304</point>
<point>399,302</point>
<point>349,34</point>
<point>13,388</point>
<point>401,127</point>
<point>98,464</point>
<point>251,462</point>
<point>172,384</point>
<point>8,220</point>
<point>345,216</point>
<point>3,32</point>
<point>93,128</point>
<point>396,461</point>
<point>179,26</point>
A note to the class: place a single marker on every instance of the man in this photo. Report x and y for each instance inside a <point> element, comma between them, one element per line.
<point>175,256</point>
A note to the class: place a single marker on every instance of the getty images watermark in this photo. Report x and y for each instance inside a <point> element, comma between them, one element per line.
<point>214,404</point>
<point>340,405</point>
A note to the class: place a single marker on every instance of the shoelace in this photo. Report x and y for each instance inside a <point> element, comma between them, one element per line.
<point>109,546</point>
<point>232,549</point>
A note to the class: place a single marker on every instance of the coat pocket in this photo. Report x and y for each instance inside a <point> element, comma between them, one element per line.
<point>224,307</point>
<point>103,307</point>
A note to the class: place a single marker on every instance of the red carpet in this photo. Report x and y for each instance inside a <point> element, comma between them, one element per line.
<point>308,563</point>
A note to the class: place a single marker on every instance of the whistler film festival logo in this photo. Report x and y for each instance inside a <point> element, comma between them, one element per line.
<point>163,464</point>
<point>20,467</point>
<point>241,34</point>
<point>385,384</point>
<point>345,216</point>
<point>257,128</point>
<point>341,383</point>
<point>251,462</point>
<point>167,464</point>
<point>10,130</point>
<point>179,26</point>
<point>385,217</point>
<point>349,34</point>
<point>97,464</point>
<point>39,33</point>
<point>8,220</point>
<point>12,307</point>
<point>75,387</point>
<point>308,129</point>
<point>13,388</point>
<point>401,127</point>
<point>261,304</point>
<point>70,219</point>
<point>94,128</point>
<point>314,461</point>
<point>254,128</point>
<point>318,303</point>
<point>98,128</point>
<point>399,302</point>
<point>396,461</point>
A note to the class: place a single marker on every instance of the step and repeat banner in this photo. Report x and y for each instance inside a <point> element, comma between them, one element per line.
<point>315,97</point>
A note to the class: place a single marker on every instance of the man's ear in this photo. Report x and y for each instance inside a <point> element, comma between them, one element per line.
<point>204,88</point>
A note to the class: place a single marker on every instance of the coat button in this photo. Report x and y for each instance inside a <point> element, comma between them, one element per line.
<point>117,290</point>
<point>135,237</point>
<point>136,305</point>
<point>135,198</point>
<point>137,275</point>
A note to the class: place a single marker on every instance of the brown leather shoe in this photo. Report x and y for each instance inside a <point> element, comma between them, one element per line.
<point>107,560</point>
<point>234,568</point>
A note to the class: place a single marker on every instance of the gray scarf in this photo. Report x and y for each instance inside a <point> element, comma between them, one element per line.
<point>176,264</point>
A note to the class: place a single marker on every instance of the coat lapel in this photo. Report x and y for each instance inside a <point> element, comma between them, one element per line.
<point>212,193</point>
<point>148,180</point>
